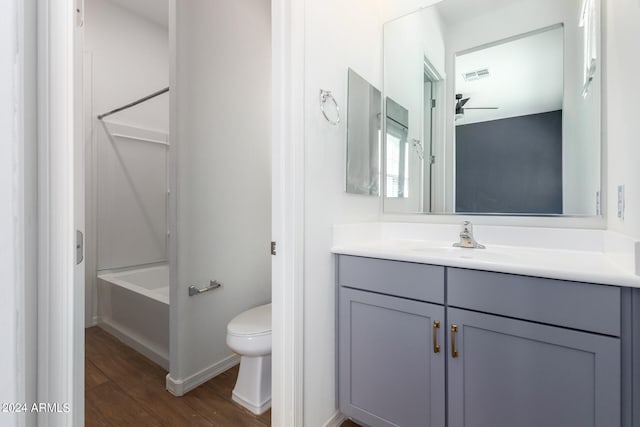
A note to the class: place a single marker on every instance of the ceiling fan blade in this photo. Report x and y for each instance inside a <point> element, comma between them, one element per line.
<point>463,101</point>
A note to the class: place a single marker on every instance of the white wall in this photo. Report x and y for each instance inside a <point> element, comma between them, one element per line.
<point>338,34</point>
<point>130,60</point>
<point>220,127</point>
<point>9,274</point>
<point>126,58</point>
<point>393,9</point>
<point>622,124</point>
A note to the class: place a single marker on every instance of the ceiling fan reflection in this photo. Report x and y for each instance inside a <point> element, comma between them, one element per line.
<point>460,106</point>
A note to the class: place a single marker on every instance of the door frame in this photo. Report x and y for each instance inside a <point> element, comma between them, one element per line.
<point>60,300</point>
<point>288,212</point>
<point>26,174</point>
<point>437,133</point>
<point>60,329</point>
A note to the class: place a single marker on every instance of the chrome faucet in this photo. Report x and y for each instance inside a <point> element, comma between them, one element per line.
<point>466,237</point>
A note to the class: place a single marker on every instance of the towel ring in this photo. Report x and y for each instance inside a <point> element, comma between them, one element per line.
<point>326,95</point>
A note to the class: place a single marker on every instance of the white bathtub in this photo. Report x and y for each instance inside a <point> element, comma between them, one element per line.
<point>134,306</point>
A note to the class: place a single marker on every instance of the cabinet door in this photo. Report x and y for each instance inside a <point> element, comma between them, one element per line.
<point>516,373</point>
<point>389,371</point>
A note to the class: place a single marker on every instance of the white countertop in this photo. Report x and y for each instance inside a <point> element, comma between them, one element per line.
<point>593,256</point>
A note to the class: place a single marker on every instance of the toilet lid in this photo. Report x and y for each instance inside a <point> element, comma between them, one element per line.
<point>256,321</point>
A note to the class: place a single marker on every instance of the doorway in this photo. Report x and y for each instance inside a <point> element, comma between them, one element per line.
<point>432,132</point>
<point>182,199</point>
<point>60,362</point>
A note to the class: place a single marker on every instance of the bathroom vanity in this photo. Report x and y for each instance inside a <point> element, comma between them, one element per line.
<point>422,344</point>
<point>538,328</point>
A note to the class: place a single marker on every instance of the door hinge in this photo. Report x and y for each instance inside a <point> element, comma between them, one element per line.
<point>432,160</point>
<point>79,247</point>
<point>273,248</point>
<point>433,103</point>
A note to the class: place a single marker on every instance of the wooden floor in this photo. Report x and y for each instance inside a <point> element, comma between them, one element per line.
<point>123,388</point>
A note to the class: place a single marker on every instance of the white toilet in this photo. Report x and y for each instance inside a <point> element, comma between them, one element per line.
<point>249,335</point>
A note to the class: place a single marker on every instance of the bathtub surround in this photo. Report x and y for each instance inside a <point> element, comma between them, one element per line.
<point>134,307</point>
<point>131,183</point>
<point>126,57</point>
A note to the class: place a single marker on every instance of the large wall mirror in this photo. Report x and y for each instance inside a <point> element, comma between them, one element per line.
<point>494,107</point>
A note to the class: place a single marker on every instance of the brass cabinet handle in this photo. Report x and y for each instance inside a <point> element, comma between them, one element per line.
<point>454,352</point>
<point>436,346</point>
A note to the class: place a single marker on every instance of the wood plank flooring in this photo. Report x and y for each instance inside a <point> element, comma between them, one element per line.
<point>123,388</point>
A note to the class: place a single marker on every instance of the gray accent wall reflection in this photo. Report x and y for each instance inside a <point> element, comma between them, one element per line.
<point>510,165</point>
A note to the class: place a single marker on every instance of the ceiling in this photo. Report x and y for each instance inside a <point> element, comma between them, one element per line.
<point>455,11</point>
<point>154,10</point>
<point>526,77</point>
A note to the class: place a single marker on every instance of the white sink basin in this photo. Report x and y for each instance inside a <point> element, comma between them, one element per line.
<point>466,253</point>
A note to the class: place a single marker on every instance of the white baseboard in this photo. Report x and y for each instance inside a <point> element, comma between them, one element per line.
<point>180,387</point>
<point>139,344</point>
<point>335,420</point>
<point>92,323</point>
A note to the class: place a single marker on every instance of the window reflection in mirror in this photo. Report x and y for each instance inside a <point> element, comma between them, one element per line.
<point>503,100</point>
<point>397,154</point>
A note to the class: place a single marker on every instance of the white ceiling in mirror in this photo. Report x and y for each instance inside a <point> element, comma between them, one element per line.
<point>154,10</point>
<point>456,11</point>
<point>525,77</point>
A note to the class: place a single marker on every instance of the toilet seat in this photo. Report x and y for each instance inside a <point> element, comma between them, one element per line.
<point>249,335</point>
<point>253,322</point>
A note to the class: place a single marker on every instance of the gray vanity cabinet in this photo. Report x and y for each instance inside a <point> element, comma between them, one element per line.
<point>519,350</point>
<point>391,362</point>
<point>389,373</point>
<point>510,372</point>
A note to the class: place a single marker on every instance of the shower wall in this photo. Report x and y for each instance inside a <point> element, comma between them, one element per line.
<point>126,57</point>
